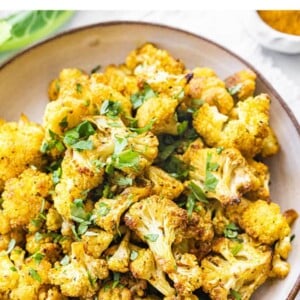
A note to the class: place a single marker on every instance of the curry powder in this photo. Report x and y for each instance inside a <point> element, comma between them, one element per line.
<point>286,21</point>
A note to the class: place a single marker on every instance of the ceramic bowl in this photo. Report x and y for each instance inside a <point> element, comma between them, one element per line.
<point>25,78</point>
<point>269,37</point>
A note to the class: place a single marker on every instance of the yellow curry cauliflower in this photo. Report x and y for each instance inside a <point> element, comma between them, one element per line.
<point>19,148</point>
<point>147,180</point>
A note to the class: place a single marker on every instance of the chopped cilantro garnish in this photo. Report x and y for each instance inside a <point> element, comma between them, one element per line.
<point>78,88</point>
<point>211,180</point>
<point>64,123</point>
<point>116,279</point>
<point>78,214</point>
<point>110,108</point>
<point>197,192</point>
<point>231,231</point>
<point>127,159</point>
<point>219,150</point>
<point>56,175</point>
<point>120,144</point>
<point>65,260</point>
<point>182,127</point>
<point>234,89</point>
<point>236,249</point>
<point>34,274</point>
<point>11,246</point>
<point>139,98</point>
<point>124,181</point>
<point>96,69</point>
<point>103,209</point>
<point>133,255</point>
<point>77,137</point>
<point>14,269</point>
<point>236,295</point>
<point>145,128</point>
<point>92,279</point>
<point>38,257</point>
<point>53,142</point>
<point>151,237</point>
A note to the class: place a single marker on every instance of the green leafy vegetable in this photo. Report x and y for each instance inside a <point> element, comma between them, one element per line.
<point>110,108</point>
<point>127,159</point>
<point>38,257</point>
<point>236,249</point>
<point>133,255</point>
<point>236,295</point>
<point>26,27</point>
<point>231,231</point>
<point>64,123</point>
<point>78,88</point>
<point>145,128</point>
<point>139,98</point>
<point>235,89</point>
<point>182,127</point>
<point>211,180</point>
<point>103,209</point>
<point>76,138</point>
<point>151,237</point>
<point>124,181</point>
<point>197,192</point>
<point>65,260</point>
<point>219,150</point>
<point>53,142</point>
<point>35,275</point>
<point>120,144</point>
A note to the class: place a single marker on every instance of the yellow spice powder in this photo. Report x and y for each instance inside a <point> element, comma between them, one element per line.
<point>287,21</point>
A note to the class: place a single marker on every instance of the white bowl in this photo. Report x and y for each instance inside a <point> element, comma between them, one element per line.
<point>25,78</point>
<point>269,37</point>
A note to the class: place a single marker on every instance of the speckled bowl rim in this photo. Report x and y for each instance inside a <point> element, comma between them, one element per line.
<point>295,289</point>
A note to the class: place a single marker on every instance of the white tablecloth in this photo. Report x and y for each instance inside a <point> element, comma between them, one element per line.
<point>224,27</point>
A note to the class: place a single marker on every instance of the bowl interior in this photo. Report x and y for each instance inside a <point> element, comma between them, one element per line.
<point>24,82</point>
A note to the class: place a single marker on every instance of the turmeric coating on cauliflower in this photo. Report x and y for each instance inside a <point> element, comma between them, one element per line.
<point>147,180</point>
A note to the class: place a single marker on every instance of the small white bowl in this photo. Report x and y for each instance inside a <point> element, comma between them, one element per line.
<point>269,37</point>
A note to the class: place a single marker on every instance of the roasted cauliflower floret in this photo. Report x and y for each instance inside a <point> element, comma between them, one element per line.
<point>8,273</point>
<point>205,85</point>
<point>116,293</point>
<point>23,197</point>
<point>163,184</point>
<point>270,144</point>
<point>241,269</point>
<point>263,221</point>
<point>120,78</point>
<point>119,261</point>
<point>79,278</point>
<point>96,241</point>
<point>53,220</point>
<point>79,174</point>
<point>19,148</point>
<point>187,277</point>
<point>156,220</point>
<point>33,275</point>
<point>161,111</point>
<point>222,175</point>
<point>145,267</point>
<point>125,150</point>
<point>108,212</point>
<point>149,55</point>
<point>241,84</point>
<point>260,189</point>
<point>246,132</point>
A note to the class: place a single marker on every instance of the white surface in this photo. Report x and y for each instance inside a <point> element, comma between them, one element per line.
<point>223,27</point>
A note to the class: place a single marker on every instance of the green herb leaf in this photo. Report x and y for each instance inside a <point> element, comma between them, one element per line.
<point>231,231</point>
<point>292,237</point>
<point>180,95</point>
<point>219,150</point>
<point>78,88</point>
<point>236,295</point>
<point>139,98</point>
<point>14,269</point>
<point>83,145</point>
<point>110,108</point>
<point>65,260</point>
<point>176,167</point>
<point>35,275</point>
<point>124,181</point>
<point>120,144</point>
<point>53,142</point>
<point>103,209</point>
<point>190,204</point>
<point>83,227</point>
<point>56,175</point>
<point>92,279</point>
<point>78,214</point>
<point>197,192</point>
<point>182,127</point>
<point>116,278</point>
<point>26,27</point>
<point>145,128</point>
<point>127,159</point>
<point>77,237</point>
<point>38,257</point>
<point>210,182</point>
<point>133,255</point>
<point>236,249</point>
<point>235,89</point>
<point>96,69</point>
<point>38,236</point>
<point>11,246</point>
<point>151,237</point>
<point>64,122</point>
